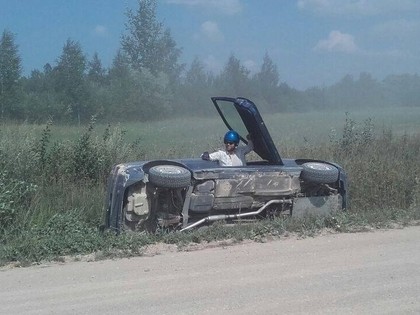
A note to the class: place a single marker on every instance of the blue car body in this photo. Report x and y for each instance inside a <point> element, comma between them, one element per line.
<point>185,193</point>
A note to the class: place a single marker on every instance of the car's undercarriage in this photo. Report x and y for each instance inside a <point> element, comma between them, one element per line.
<point>242,196</point>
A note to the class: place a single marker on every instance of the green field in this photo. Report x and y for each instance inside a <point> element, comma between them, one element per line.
<point>52,178</point>
<point>188,137</point>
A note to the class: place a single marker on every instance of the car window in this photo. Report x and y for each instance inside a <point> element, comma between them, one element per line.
<point>232,117</point>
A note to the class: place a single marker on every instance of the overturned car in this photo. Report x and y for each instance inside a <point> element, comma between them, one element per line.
<point>186,193</point>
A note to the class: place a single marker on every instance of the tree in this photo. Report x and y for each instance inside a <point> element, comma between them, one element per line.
<point>70,80</point>
<point>153,57</point>
<point>402,89</point>
<point>313,99</point>
<point>147,44</point>
<point>135,95</point>
<point>267,81</point>
<point>170,55</point>
<point>97,82</point>
<point>10,73</point>
<point>96,73</point>
<point>120,67</point>
<point>342,93</point>
<point>40,99</point>
<point>234,79</point>
<point>196,74</point>
<point>120,85</point>
<point>195,88</point>
<point>369,91</point>
<point>268,75</point>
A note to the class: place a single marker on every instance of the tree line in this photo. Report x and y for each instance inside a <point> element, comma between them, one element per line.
<point>146,81</point>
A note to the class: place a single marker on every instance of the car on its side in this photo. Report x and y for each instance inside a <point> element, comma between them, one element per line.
<point>181,194</point>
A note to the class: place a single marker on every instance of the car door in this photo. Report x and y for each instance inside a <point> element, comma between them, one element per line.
<point>241,115</point>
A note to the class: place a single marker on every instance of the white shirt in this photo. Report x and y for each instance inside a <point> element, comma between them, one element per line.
<point>237,158</point>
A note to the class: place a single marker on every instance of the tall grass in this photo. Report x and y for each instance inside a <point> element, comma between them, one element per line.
<point>52,178</point>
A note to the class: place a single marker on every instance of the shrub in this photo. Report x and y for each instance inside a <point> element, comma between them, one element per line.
<point>15,195</point>
<point>89,157</point>
<point>43,181</point>
<point>382,168</point>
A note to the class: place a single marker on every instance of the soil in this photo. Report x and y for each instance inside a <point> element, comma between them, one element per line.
<point>356,273</point>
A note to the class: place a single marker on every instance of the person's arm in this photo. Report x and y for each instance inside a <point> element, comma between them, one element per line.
<point>205,156</point>
<point>250,146</point>
<point>215,156</point>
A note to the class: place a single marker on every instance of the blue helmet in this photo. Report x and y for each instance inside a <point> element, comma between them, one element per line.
<point>231,136</point>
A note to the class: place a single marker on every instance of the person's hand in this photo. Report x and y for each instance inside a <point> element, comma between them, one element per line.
<point>205,156</point>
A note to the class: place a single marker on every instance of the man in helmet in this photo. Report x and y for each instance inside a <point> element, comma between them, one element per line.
<point>232,155</point>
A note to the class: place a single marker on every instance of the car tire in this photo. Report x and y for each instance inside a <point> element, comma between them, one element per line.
<point>320,173</point>
<point>169,176</point>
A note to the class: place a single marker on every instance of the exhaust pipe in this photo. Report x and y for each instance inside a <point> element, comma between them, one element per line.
<point>234,216</point>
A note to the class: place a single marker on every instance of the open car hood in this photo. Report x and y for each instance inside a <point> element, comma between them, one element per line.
<point>241,115</point>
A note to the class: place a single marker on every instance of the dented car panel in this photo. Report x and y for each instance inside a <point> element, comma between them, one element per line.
<point>185,193</point>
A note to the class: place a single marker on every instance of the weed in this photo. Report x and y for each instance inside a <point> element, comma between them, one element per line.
<point>14,196</point>
<point>41,148</point>
<point>52,186</point>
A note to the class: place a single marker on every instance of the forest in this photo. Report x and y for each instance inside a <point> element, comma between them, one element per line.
<point>146,81</point>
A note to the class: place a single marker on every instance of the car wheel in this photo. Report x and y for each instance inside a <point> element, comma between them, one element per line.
<point>320,173</point>
<point>169,176</point>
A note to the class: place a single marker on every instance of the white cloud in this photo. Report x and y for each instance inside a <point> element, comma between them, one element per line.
<point>100,30</point>
<point>358,7</point>
<point>211,31</point>
<point>229,7</point>
<point>337,42</point>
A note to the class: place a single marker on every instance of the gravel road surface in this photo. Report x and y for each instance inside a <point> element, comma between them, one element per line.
<point>362,273</point>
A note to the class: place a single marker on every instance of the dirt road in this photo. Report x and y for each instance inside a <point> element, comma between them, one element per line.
<point>363,273</point>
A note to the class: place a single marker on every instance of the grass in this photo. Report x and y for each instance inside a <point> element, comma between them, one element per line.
<point>193,135</point>
<point>52,178</point>
<point>67,234</point>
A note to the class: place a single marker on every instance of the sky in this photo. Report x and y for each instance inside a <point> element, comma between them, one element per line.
<point>312,42</point>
